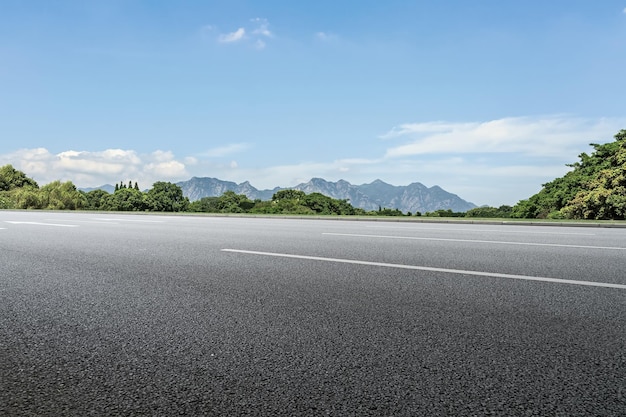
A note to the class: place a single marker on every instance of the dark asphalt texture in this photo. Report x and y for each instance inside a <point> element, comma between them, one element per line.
<point>138,315</point>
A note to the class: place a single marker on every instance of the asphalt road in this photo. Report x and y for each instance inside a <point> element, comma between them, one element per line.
<point>108,314</point>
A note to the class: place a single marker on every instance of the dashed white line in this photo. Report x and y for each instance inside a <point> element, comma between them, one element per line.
<point>431,269</point>
<point>500,242</point>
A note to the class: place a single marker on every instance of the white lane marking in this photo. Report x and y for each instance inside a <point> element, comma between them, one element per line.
<point>480,230</point>
<point>432,269</point>
<point>80,221</point>
<point>477,241</point>
<point>131,220</point>
<point>43,224</point>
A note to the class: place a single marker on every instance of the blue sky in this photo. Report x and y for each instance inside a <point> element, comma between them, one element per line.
<point>487,99</point>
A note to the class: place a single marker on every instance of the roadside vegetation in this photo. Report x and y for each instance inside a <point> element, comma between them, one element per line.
<point>17,191</point>
<point>595,188</point>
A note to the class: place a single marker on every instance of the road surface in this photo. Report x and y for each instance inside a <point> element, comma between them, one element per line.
<point>111,314</point>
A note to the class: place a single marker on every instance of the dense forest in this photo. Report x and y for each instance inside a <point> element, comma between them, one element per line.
<point>595,188</point>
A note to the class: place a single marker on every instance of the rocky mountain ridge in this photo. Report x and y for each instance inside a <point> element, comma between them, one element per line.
<point>410,198</point>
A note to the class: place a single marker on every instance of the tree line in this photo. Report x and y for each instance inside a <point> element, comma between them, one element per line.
<point>17,191</point>
<point>595,188</point>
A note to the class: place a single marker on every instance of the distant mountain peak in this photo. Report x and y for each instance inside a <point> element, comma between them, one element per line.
<point>414,197</point>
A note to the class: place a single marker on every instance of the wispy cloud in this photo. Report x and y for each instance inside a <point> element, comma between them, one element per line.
<point>254,34</point>
<point>235,36</point>
<point>261,27</point>
<point>538,136</point>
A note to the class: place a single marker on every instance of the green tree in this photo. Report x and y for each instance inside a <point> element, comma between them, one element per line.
<point>265,207</point>
<point>444,213</point>
<point>501,212</point>
<point>593,189</point>
<point>603,197</point>
<point>124,199</point>
<point>11,178</point>
<point>289,194</point>
<point>26,198</point>
<point>230,202</point>
<point>322,204</point>
<point>205,205</point>
<point>61,196</point>
<point>289,202</point>
<point>165,196</point>
<point>97,200</point>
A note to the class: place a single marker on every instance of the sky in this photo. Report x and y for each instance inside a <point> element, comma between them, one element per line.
<point>487,99</point>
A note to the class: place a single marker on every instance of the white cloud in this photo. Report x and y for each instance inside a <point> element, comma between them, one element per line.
<point>235,36</point>
<point>108,162</point>
<point>190,160</point>
<point>262,28</point>
<point>253,35</point>
<point>426,127</point>
<point>162,156</point>
<point>540,136</point>
<point>166,169</point>
<point>90,169</point>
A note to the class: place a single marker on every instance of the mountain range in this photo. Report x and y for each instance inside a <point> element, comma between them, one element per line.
<point>410,198</point>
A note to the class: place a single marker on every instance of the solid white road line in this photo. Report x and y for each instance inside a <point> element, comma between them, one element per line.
<point>431,269</point>
<point>478,230</point>
<point>43,224</point>
<point>477,241</point>
<point>130,220</point>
